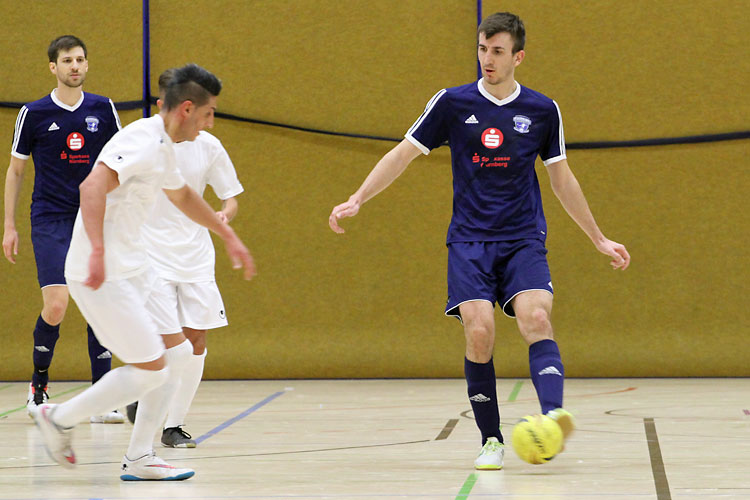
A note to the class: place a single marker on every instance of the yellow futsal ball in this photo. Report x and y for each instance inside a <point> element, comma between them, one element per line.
<point>537,439</point>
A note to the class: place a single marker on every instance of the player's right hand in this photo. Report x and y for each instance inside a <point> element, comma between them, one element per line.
<point>10,244</point>
<point>239,255</point>
<point>96,271</point>
<point>350,208</point>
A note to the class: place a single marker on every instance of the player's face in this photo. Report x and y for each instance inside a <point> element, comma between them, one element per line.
<point>199,118</point>
<point>496,57</point>
<point>71,67</point>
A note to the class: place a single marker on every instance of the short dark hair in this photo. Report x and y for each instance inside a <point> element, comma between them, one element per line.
<point>190,83</point>
<point>165,79</point>
<point>65,42</point>
<point>504,22</point>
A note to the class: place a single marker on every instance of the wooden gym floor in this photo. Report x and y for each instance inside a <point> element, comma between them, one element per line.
<point>412,439</point>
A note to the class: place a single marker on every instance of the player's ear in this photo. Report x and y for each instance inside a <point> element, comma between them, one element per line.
<point>53,68</point>
<point>518,57</point>
<point>186,108</point>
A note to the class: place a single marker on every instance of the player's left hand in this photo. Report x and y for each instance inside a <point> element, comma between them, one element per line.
<point>96,271</point>
<point>618,252</point>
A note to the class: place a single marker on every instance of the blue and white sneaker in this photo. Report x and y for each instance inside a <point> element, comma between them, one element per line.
<point>152,468</point>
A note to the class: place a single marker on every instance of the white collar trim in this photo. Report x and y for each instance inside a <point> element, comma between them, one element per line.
<point>494,99</point>
<point>57,101</point>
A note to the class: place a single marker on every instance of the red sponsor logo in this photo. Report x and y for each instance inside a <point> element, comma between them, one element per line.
<point>63,155</point>
<point>492,138</point>
<point>75,141</point>
<point>485,161</point>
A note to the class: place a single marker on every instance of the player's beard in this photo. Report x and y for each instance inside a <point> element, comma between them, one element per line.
<point>69,82</point>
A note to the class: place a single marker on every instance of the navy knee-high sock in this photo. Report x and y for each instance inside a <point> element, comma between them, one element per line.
<point>480,379</point>
<point>45,338</point>
<point>547,373</point>
<point>101,358</point>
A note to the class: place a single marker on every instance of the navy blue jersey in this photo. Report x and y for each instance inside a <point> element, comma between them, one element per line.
<point>64,142</point>
<point>494,145</point>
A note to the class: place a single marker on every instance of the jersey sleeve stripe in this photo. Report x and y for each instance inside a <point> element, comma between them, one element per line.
<point>562,134</point>
<point>117,117</point>
<point>17,133</point>
<point>427,109</point>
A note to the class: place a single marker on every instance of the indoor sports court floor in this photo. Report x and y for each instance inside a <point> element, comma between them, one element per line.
<point>412,439</point>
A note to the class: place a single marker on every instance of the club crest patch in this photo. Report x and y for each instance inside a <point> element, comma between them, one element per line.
<point>521,124</point>
<point>92,123</point>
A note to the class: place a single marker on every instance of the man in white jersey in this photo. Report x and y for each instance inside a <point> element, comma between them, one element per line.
<point>181,251</point>
<point>110,278</point>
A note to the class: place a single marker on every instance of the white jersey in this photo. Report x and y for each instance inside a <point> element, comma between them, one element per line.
<point>142,154</point>
<point>181,250</point>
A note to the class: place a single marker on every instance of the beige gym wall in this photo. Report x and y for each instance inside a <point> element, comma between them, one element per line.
<point>369,303</point>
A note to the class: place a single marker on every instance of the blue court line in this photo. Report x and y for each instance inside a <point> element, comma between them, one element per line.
<point>242,415</point>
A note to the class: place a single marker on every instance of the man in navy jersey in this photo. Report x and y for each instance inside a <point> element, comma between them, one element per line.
<point>496,128</point>
<point>64,132</point>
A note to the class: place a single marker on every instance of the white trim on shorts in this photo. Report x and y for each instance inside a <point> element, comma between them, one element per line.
<point>53,284</point>
<point>457,316</point>
<point>514,296</point>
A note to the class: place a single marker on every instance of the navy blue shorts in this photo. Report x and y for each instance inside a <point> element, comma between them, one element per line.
<point>495,271</point>
<point>51,240</point>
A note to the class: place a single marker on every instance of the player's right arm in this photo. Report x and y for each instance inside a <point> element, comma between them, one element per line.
<point>94,189</point>
<point>13,183</point>
<point>382,175</point>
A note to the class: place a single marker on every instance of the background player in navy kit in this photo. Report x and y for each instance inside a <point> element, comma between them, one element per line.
<point>64,132</point>
<point>496,128</point>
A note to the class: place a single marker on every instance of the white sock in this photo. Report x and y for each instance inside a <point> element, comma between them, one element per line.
<point>116,388</point>
<point>152,408</point>
<point>185,392</point>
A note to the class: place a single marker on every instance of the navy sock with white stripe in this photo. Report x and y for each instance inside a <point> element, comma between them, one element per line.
<point>45,338</point>
<point>547,373</point>
<point>480,379</point>
<point>101,358</point>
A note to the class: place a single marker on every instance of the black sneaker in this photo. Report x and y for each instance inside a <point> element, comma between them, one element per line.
<point>37,397</point>
<point>131,410</point>
<point>176,437</point>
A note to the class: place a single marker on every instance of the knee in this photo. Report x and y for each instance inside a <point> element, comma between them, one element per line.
<point>199,344</point>
<point>54,311</point>
<point>535,322</point>
<point>478,330</point>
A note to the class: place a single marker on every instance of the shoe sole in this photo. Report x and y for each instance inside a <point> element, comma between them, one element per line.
<point>178,477</point>
<point>180,445</point>
<point>488,467</point>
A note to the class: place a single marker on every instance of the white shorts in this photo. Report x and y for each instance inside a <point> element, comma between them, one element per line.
<point>118,315</point>
<point>175,304</point>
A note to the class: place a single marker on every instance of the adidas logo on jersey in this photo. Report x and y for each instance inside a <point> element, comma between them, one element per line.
<point>471,119</point>
<point>479,398</point>
<point>551,370</point>
<point>53,127</point>
<point>105,355</point>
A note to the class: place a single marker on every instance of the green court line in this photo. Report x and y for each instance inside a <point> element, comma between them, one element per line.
<point>515,391</point>
<point>463,494</point>
<point>6,386</point>
<point>51,397</point>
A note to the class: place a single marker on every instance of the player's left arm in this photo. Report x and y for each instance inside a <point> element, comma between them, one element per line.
<point>198,210</point>
<point>569,192</point>
<point>229,209</point>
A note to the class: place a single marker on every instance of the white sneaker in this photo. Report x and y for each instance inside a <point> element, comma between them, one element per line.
<point>566,422</point>
<point>152,468</point>
<point>113,417</point>
<point>57,440</point>
<point>33,400</point>
<point>491,456</point>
